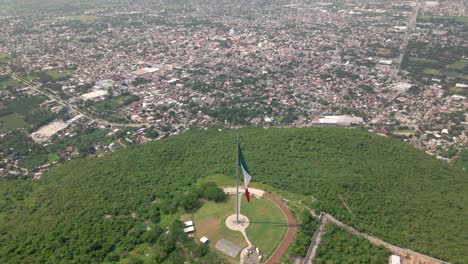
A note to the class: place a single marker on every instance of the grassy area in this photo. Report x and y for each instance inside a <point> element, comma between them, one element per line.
<point>456,19</point>
<point>431,71</point>
<point>56,74</point>
<point>339,246</point>
<point>267,224</point>
<point>11,83</point>
<point>423,61</point>
<point>12,122</point>
<point>25,105</point>
<point>459,65</point>
<point>456,90</point>
<point>4,56</point>
<point>210,222</point>
<point>114,103</point>
<point>462,161</point>
<point>83,18</point>
<point>52,157</point>
<point>454,74</point>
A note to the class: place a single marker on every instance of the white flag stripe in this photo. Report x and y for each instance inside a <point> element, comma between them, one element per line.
<point>247,177</point>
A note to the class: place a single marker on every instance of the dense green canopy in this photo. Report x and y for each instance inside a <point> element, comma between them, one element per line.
<point>82,211</point>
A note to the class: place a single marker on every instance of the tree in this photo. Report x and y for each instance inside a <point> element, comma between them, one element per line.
<point>151,236</point>
<point>202,250</point>
<point>211,191</point>
<point>151,133</point>
<point>189,201</point>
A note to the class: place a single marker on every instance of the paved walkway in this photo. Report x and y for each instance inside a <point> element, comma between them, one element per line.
<point>232,191</point>
<point>232,224</point>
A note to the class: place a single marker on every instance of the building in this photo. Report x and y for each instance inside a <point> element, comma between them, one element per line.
<point>94,95</point>
<point>339,120</point>
<point>189,229</point>
<point>394,259</point>
<point>188,223</point>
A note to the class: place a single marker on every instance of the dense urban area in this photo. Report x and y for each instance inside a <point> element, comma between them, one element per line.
<point>88,82</point>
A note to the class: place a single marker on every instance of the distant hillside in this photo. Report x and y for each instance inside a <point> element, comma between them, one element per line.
<point>392,190</point>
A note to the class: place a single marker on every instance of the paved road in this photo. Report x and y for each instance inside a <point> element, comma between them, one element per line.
<point>404,44</point>
<point>75,109</point>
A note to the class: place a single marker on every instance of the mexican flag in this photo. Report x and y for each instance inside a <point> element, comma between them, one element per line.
<point>245,171</point>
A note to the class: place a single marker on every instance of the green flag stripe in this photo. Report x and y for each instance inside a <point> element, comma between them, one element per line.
<point>241,159</point>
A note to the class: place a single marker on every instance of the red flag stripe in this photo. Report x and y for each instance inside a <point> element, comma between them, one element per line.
<point>247,195</point>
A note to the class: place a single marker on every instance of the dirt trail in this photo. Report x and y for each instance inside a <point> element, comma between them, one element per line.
<point>316,239</point>
<point>408,255</point>
<point>288,237</point>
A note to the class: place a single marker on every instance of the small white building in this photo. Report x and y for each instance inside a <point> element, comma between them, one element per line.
<point>386,62</point>
<point>394,259</point>
<point>204,240</point>
<point>189,229</point>
<point>188,223</point>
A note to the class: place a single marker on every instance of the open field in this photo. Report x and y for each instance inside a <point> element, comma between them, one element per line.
<point>4,56</point>
<point>10,83</point>
<point>431,71</point>
<point>423,61</point>
<point>12,122</point>
<point>457,19</point>
<point>266,229</point>
<point>51,157</point>
<point>459,65</point>
<point>114,104</point>
<point>210,222</point>
<point>56,74</point>
<point>456,90</point>
<point>267,224</point>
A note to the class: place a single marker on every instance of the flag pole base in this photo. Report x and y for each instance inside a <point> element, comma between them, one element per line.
<point>232,223</point>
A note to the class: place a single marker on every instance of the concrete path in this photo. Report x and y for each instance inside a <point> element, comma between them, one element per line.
<point>316,239</point>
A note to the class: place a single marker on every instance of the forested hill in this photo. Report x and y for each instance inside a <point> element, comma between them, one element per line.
<point>393,191</point>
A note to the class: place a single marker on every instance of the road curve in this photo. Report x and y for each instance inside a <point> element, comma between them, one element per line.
<point>290,223</point>
<point>289,237</point>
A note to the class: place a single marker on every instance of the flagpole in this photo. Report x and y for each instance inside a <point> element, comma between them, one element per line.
<point>237,179</point>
